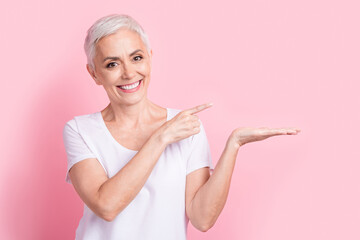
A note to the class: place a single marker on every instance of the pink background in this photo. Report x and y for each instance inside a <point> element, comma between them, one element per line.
<point>262,63</point>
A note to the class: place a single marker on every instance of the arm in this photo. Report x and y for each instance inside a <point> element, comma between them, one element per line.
<point>209,200</point>
<point>107,197</point>
<point>211,197</point>
<point>117,192</point>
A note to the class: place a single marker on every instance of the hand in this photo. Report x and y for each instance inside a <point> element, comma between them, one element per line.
<point>183,125</point>
<point>243,135</point>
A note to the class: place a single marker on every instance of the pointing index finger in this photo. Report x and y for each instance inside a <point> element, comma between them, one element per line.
<point>198,108</point>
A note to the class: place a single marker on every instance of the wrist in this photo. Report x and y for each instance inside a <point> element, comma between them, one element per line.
<point>160,138</point>
<point>233,143</point>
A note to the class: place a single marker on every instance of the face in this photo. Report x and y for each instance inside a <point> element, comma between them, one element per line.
<point>122,67</point>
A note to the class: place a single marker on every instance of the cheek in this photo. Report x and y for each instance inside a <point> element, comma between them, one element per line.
<point>145,68</point>
<point>110,76</point>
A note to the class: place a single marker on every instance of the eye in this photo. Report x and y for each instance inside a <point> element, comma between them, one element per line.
<point>138,57</point>
<point>110,65</point>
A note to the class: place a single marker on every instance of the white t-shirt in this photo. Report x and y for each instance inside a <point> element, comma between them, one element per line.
<point>158,210</point>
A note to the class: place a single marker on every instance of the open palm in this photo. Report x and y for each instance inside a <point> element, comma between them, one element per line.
<point>245,135</point>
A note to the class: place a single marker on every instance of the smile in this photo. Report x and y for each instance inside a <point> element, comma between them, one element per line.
<point>130,87</point>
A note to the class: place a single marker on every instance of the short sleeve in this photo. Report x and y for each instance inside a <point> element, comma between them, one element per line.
<point>75,146</point>
<point>200,155</point>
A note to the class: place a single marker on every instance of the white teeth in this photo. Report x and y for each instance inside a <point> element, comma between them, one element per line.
<point>132,86</point>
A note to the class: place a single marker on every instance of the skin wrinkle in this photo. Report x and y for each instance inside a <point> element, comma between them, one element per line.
<point>118,58</point>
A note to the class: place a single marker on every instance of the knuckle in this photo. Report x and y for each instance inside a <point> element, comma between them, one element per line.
<point>182,116</point>
<point>196,124</point>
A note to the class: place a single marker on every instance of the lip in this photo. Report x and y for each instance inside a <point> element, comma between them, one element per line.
<point>130,90</point>
<point>129,83</point>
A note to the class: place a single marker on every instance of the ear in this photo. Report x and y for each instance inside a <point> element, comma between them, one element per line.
<point>92,74</point>
<point>151,54</point>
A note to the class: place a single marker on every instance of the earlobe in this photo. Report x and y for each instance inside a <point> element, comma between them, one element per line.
<point>151,54</point>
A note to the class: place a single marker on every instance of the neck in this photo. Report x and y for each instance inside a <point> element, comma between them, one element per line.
<point>129,116</point>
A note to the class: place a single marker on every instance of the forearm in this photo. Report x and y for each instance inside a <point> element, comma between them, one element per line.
<point>118,191</point>
<point>211,197</point>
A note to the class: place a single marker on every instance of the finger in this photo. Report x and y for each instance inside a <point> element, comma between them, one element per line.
<point>198,108</point>
<point>281,131</point>
<point>196,124</point>
<point>292,130</point>
<point>194,118</point>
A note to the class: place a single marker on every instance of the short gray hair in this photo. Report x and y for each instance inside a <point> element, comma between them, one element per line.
<point>108,25</point>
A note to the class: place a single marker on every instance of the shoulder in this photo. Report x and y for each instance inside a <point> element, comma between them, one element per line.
<point>73,123</point>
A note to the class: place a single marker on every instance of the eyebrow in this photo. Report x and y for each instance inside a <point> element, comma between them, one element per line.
<point>117,58</point>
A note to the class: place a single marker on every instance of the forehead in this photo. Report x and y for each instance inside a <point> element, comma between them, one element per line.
<point>121,42</point>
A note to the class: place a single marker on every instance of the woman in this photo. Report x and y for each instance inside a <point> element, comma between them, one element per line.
<point>142,170</point>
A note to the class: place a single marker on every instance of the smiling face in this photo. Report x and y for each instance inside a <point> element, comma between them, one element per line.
<point>122,59</point>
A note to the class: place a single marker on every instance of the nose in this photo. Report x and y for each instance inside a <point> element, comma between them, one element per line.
<point>128,71</point>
